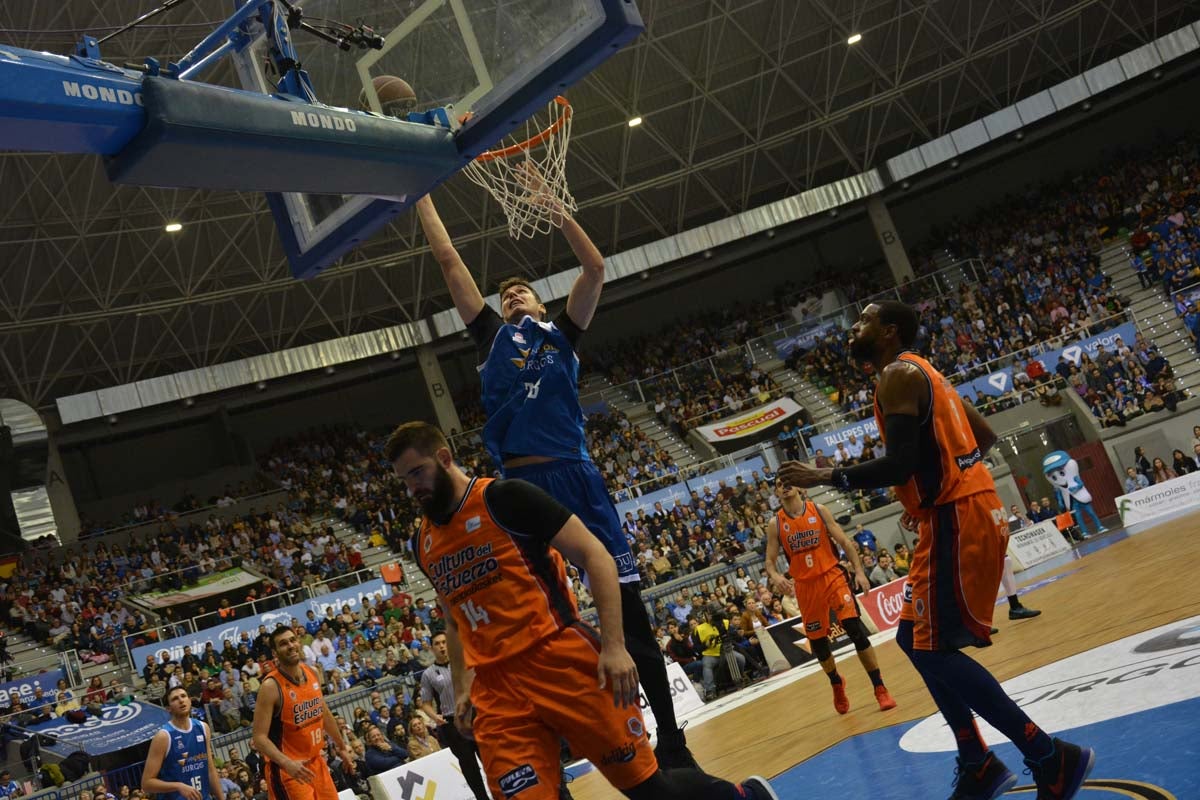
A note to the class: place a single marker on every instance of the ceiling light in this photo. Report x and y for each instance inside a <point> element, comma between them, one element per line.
<point>173,227</point>
<point>855,38</point>
<point>633,123</point>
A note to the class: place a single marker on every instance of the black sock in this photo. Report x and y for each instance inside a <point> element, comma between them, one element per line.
<point>876,678</point>
<point>834,678</point>
<point>1013,601</point>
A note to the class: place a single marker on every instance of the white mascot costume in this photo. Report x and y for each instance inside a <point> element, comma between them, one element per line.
<point>1063,473</point>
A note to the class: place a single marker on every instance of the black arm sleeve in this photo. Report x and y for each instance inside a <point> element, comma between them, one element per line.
<point>525,510</point>
<point>570,330</point>
<point>483,330</point>
<point>902,432</point>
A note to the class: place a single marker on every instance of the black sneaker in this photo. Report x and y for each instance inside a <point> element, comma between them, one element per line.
<point>757,788</point>
<point>1060,775</point>
<point>563,792</point>
<point>986,780</point>
<point>1021,612</point>
<point>672,751</point>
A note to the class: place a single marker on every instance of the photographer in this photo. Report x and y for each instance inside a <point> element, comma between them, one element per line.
<point>711,634</point>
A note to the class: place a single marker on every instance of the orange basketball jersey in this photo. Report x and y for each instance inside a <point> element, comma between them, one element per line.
<point>950,465</point>
<point>299,728</point>
<point>506,591</point>
<point>806,542</point>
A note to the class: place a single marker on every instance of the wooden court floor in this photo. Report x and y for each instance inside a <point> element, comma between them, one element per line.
<point>1134,585</point>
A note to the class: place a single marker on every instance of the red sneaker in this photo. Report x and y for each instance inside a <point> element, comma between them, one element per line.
<point>841,703</point>
<point>885,700</point>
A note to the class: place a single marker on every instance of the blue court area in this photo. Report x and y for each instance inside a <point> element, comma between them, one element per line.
<point>1151,754</point>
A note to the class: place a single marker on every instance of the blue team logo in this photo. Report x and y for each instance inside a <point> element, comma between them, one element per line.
<point>518,780</point>
<point>179,745</point>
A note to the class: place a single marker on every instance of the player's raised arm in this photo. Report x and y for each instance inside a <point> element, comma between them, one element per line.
<point>584,550</point>
<point>843,541</point>
<point>463,291</point>
<point>585,292</point>
<point>152,784</point>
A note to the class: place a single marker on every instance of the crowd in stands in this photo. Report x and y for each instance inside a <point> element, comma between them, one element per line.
<point>151,510</point>
<point>1147,471</point>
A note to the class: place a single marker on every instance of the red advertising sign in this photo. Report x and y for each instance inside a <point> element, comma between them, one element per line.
<point>883,603</point>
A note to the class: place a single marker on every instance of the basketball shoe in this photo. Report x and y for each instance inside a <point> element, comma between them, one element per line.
<point>672,751</point>
<point>884,698</point>
<point>757,788</point>
<point>1021,612</point>
<point>1060,775</point>
<point>841,703</point>
<point>986,780</point>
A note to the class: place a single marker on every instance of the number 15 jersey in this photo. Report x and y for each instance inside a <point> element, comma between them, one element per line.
<point>492,567</point>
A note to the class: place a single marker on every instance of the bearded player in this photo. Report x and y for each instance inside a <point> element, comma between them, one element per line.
<point>934,459</point>
<point>529,372</point>
<point>807,533</point>
<point>291,722</point>
<point>526,669</point>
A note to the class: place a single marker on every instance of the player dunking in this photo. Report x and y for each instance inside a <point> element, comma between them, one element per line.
<point>526,669</point>
<point>935,447</point>
<point>807,532</point>
<point>291,722</point>
<point>180,764</point>
<point>529,372</point>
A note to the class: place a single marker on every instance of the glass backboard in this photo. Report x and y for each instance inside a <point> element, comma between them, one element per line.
<point>501,60</point>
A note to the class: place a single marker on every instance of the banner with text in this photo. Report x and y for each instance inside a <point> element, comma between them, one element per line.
<point>46,681</point>
<point>352,597</point>
<point>828,442</point>
<point>1035,544</point>
<point>684,697</point>
<point>999,382</point>
<point>208,586</point>
<point>117,727</point>
<point>680,493</point>
<point>805,339</point>
<point>883,603</point>
<point>750,423</point>
<point>1167,497</point>
<point>436,774</point>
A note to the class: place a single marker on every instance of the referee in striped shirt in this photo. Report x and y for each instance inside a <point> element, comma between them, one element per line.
<point>436,682</point>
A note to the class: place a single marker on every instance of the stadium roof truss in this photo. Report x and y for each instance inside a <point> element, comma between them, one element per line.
<point>744,103</point>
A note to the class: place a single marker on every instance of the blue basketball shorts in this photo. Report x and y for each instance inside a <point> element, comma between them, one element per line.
<point>580,487</point>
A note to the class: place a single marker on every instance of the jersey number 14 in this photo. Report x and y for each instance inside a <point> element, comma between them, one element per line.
<point>476,615</point>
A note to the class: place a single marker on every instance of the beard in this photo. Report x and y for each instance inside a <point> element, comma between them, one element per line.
<point>439,502</point>
<point>861,350</point>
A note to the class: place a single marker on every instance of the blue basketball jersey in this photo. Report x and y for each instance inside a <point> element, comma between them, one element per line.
<point>186,760</point>
<point>531,391</point>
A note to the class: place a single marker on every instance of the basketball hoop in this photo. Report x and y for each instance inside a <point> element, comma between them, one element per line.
<point>529,178</point>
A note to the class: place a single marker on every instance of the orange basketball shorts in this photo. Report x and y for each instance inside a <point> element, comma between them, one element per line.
<point>818,597</point>
<point>281,786</point>
<point>548,692</point>
<point>955,573</point>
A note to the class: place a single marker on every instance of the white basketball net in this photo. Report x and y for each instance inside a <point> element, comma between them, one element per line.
<point>529,178</point>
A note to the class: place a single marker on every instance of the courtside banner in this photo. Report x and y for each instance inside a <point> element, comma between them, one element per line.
<point>750,423</point>
<point>683,696</point>
<point>1177,494</point>
<point>1035,544</point>
<point>436,775</point>
<point>883,603</point>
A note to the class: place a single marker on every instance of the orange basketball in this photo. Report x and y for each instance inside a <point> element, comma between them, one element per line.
<point>396,97</point>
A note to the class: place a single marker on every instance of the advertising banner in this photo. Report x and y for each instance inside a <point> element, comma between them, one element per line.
<point>118,727</point>
<point>683,696</point>
<point>1035,544</point>
<point>829,440</point>
<point>805,339</point>
<point>883,603</point>
<point>209,585</point>
<point>750,423</point>
<point>436,775</point>
<point>46,681</point>
<point>352,597</point>
<point>1177,494</point>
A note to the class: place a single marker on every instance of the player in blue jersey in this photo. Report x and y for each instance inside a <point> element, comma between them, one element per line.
<point>529,372</point>
<point>180,765</point>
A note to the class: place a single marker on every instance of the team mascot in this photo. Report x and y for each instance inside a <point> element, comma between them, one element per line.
<point>1063,472</point>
